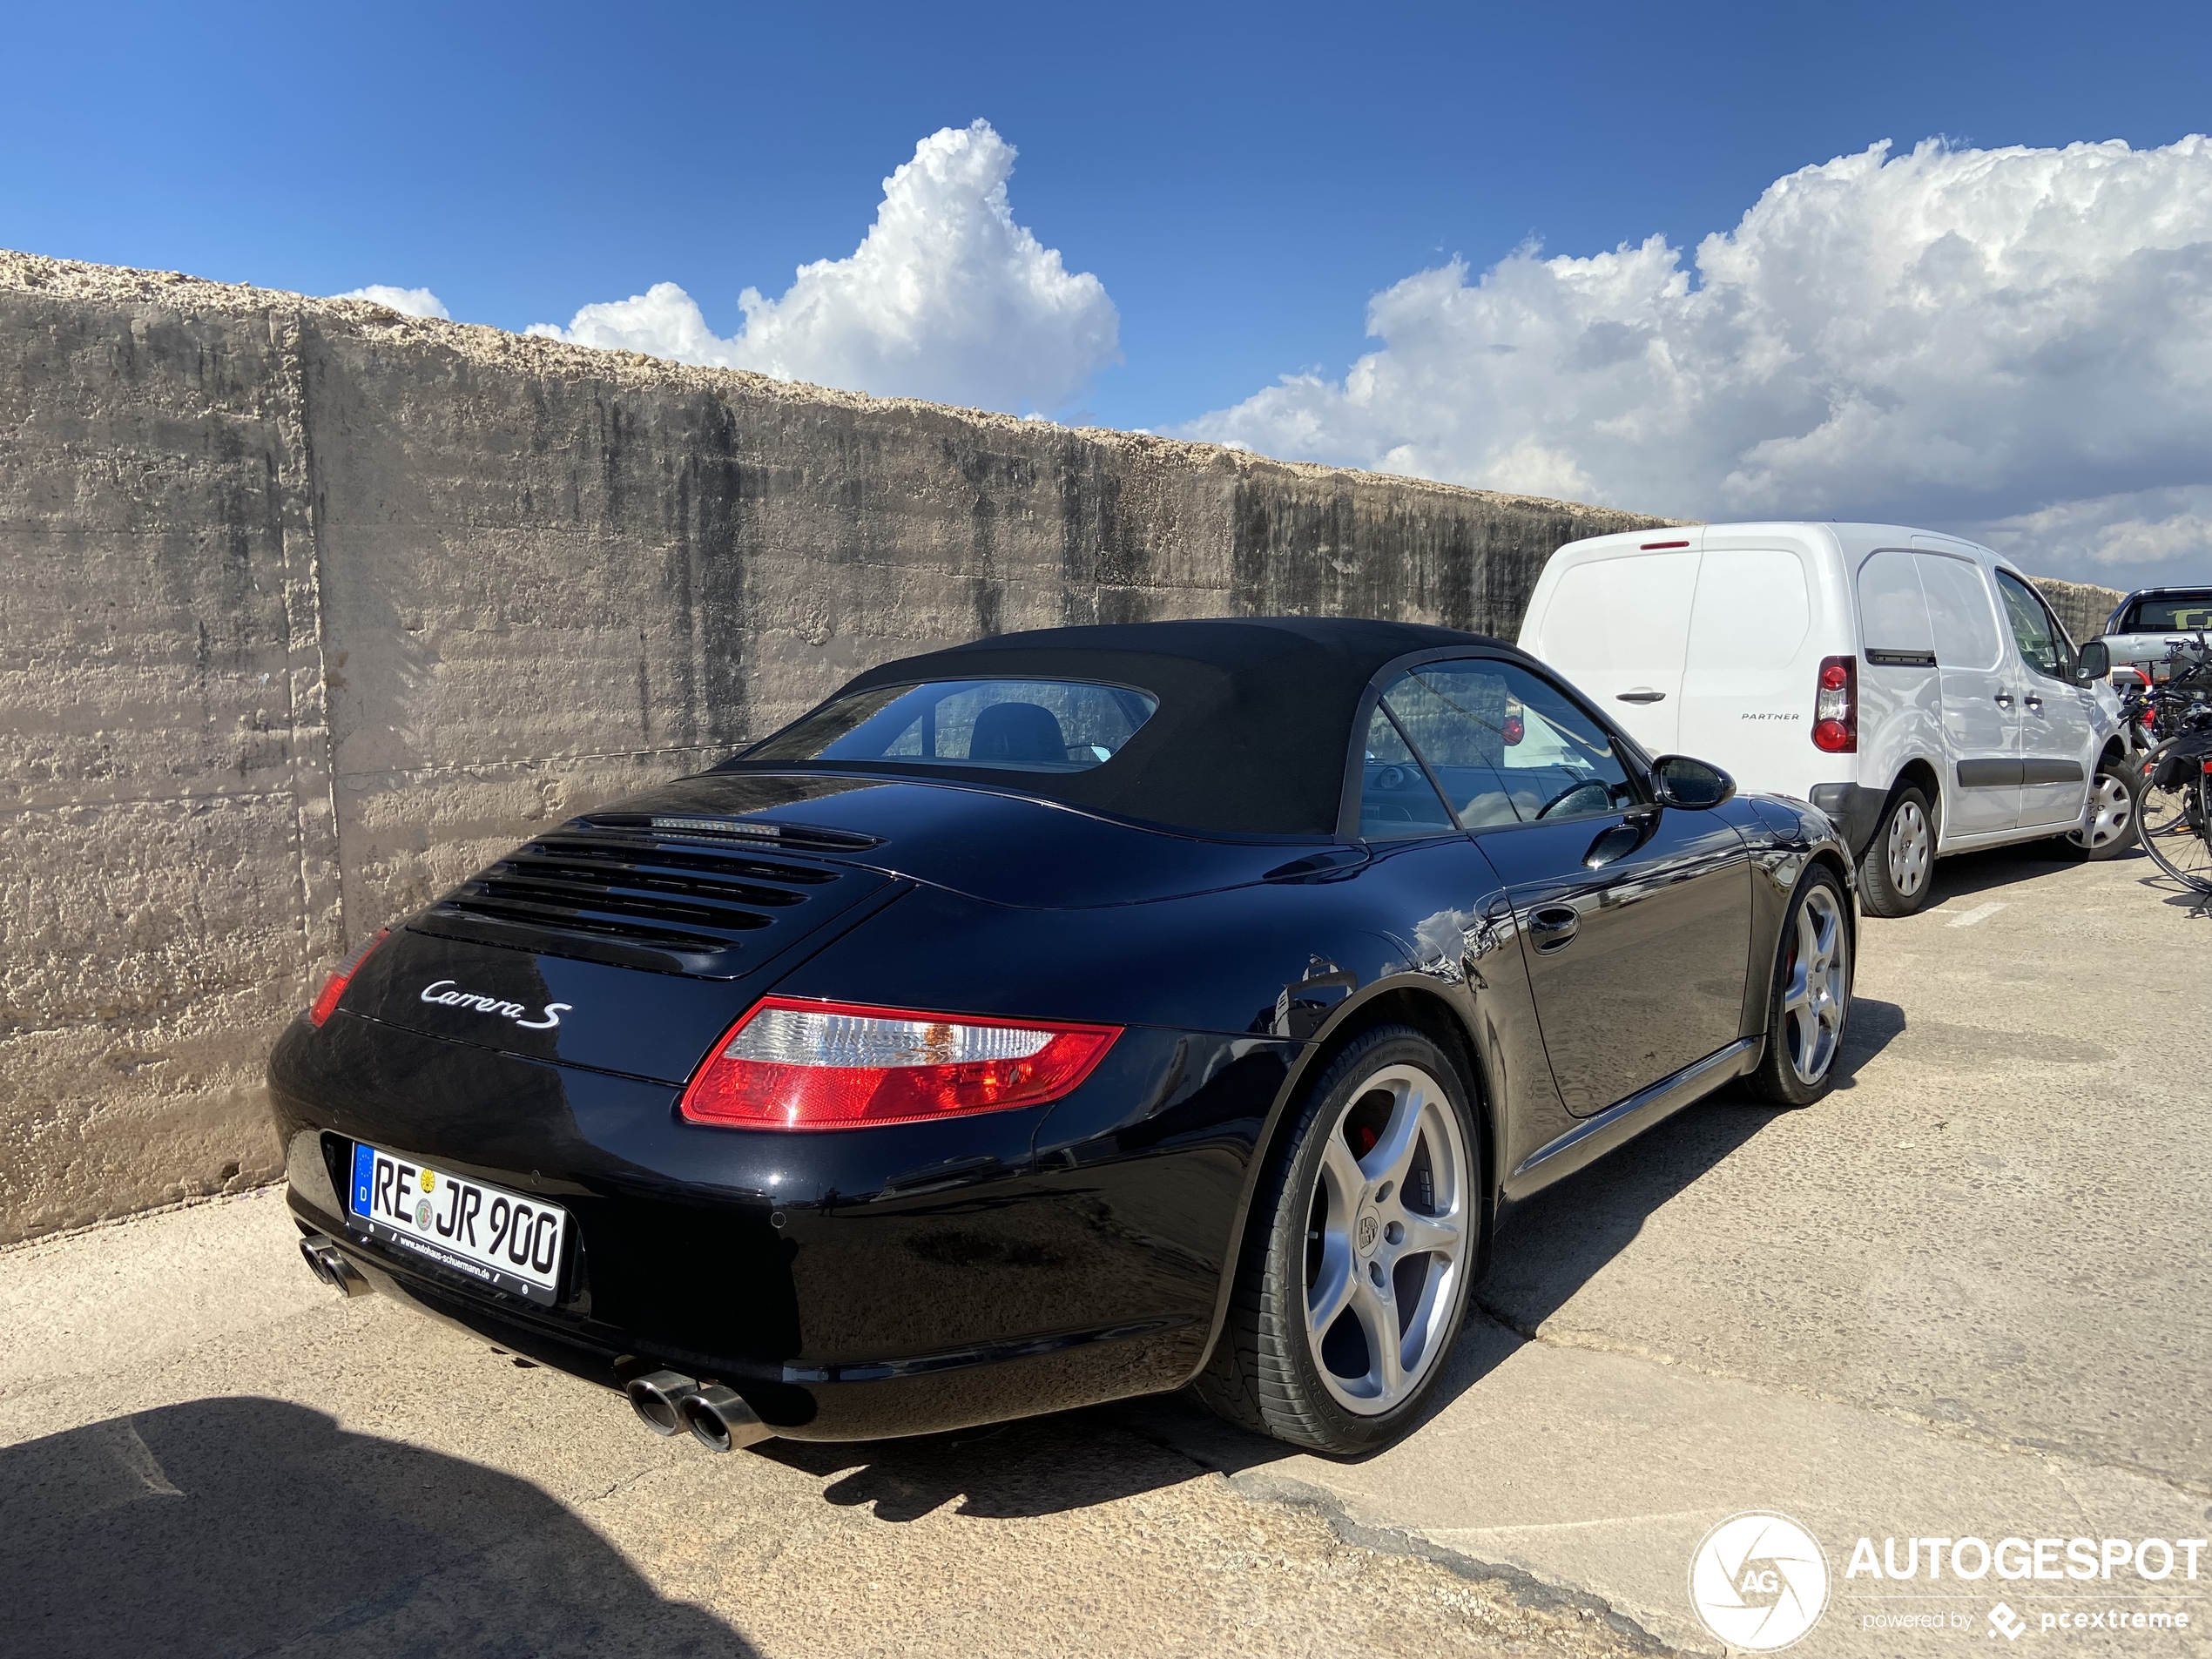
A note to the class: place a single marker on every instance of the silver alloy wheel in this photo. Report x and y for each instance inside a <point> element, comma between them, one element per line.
<point>1909,849</point>
<point>1388,1239</point>
<point>2114,811</point>
<point>1816,985</point>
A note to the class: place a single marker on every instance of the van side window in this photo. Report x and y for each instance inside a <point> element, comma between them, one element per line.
<point>2042,642</point>
<point>1894,614</point>
<point>1508,746</point>
<point>1958,611</point>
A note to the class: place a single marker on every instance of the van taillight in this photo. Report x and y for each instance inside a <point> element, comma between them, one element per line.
<point>1835,706</point>
<point>326,1002</point>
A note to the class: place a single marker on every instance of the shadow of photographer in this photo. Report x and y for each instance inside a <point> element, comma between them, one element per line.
<point>243,1525</point>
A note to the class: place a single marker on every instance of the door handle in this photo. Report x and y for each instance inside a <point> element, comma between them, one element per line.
<point>2035,702</point>
<point>1553,925</point>
<point>2004,699</point>
<point>1641,694</point>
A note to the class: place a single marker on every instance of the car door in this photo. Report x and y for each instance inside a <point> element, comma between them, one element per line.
<point>1451,919</point>
<point>2054,724</point>
<point>1981,723</point>
<point>1635,920</point>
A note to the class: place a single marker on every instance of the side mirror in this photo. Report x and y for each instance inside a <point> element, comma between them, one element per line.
<point>1693,785</point>
<point>2093,663</point>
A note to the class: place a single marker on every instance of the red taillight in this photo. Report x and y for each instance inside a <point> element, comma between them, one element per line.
<point>1515,729</point>
<point>1835,706</point>
<point>793,1064</point>
<point>326,1001</point>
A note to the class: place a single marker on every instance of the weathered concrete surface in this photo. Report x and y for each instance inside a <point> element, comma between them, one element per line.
<point>247,1464</point>
<point>308,607</point>
<point>2082,606</point>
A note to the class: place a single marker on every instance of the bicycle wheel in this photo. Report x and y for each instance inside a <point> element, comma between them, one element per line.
<point>2175,819</point>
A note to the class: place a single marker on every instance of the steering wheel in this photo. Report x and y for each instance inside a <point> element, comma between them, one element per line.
<point>1604,800</point>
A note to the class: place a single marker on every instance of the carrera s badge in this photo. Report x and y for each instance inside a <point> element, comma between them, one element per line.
<point>442,992</point>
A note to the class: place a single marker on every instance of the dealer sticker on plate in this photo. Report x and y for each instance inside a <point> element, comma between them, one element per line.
<point>497,1237</point>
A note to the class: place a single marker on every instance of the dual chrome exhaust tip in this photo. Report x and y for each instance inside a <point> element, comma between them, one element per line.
<point>328,1263</point>
<point>668,1402</point>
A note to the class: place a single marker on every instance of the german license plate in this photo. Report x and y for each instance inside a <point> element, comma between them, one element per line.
<point>497,1237</point>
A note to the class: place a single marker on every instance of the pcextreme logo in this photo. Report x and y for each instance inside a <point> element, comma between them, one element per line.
<point>1759,1581</point>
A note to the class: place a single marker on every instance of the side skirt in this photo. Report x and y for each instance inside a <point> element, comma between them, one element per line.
<point>1593,1137</point>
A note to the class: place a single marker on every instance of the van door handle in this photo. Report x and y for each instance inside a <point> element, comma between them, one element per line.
<point>1552,925</point>
<point>1641,694</point>
<point>2004,699</point>
<point>2035,702</point>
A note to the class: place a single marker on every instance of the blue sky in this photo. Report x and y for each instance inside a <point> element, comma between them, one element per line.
<point>1241,181</point>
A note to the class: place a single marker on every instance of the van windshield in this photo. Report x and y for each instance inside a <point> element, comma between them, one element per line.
<point>2169,613</point>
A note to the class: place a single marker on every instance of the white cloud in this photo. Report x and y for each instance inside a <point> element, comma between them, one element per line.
<point>414,302</point>
<point>946,298</point>
<point>2016,343</point>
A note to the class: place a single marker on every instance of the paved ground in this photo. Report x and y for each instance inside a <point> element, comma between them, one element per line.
<point>1968,1295</point>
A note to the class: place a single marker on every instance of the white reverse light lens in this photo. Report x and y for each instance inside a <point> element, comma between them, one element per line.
<point>795,1037</point>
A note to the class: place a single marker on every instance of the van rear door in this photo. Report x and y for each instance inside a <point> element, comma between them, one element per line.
<point>1617,626</point>
<point>1746,694</point>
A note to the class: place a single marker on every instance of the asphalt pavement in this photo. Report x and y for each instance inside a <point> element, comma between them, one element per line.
<point>1965,1296</point>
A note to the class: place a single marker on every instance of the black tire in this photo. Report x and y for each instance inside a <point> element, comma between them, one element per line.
<point>2173,819</point>
<point>1265,1373</point>
<point>1898,869</point>
<point>2113,828</point>
<point>1807,1005</point>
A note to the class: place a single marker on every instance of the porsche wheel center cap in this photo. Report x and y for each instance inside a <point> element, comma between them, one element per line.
<point>1365,1232</point>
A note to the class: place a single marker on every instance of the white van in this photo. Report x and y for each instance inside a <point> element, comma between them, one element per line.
<point>1914,687</point>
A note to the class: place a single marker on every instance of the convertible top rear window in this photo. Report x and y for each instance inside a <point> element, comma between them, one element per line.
<point>1017,725</point>
<point>1236,727</point>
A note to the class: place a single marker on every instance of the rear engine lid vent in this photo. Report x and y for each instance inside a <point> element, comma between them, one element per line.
<point>670,900</point>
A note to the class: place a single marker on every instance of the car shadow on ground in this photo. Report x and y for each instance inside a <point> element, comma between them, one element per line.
<point>241,1526</point>
<point>1965,873</point>
<point>1547,1248</point>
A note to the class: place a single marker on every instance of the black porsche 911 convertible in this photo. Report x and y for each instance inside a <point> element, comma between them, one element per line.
<point>1067,1016</point>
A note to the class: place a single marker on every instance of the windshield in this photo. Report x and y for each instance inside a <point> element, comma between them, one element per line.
<point>1017,725</point>
<point>2177,612</point>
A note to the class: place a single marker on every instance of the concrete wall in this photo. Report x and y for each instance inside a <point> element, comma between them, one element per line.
<point>2082,606</point>
<point>308,608</point>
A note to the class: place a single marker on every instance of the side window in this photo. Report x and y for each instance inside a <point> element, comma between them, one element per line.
<point>1508,746</point>
<point>1395,798</point>
<point>2042,646</point>
<point>1965,633</point>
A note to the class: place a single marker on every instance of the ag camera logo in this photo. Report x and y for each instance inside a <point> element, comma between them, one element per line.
<point>1759,1581</point>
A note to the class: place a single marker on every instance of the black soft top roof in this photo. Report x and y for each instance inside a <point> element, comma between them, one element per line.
<point>1254,724</point>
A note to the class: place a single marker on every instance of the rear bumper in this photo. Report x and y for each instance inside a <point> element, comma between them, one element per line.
<point>1855,810</point>
<point>850,1284</point>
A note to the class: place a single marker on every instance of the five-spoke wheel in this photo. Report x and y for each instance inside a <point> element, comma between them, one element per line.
<point>1810,1005</point>
<point>1385,1239</point>
<point>1354,1276</point>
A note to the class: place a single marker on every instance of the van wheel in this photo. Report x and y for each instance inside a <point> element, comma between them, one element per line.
<point>1899,866</point>
<point>2111,828</point>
